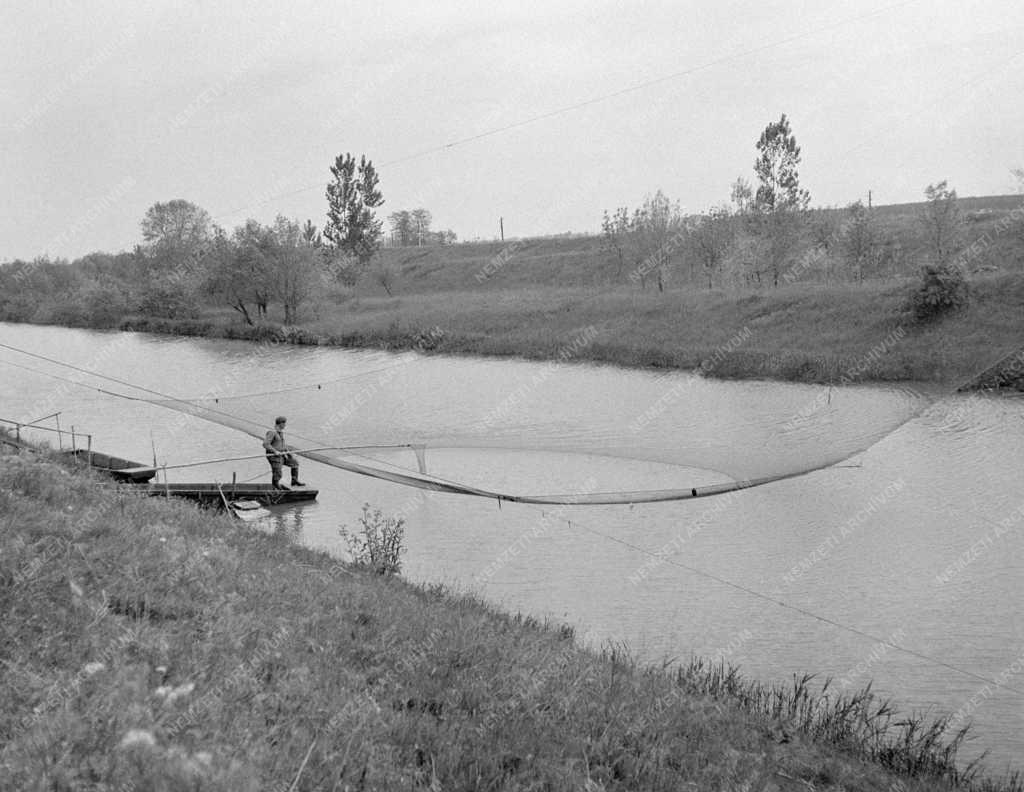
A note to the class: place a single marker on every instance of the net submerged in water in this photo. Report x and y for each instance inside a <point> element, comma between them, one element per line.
<point>651,437</point>
<point>752,436</point>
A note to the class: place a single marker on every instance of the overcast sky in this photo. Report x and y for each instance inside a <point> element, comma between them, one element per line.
<point>109,107</point>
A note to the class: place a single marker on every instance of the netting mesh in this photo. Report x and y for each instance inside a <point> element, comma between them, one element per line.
<point>752,436</point>
<point>545,433</point>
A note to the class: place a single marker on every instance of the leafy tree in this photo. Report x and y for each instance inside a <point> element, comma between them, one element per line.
<point>312,236</point>
<point>176,227</point>
<point>859,240</point>
<point>711,237</point>
<point>401,227</point>
<point>352,227</point>
<point>776,170</point>
<point>254,249</point>
<point>230,278</point>
<point>615,229</point>
<point>412,227</point>
<point>942,222</point>
<point>742,195</point>
<point>294,266</point>
<point>779,200</point>
<point>176,237</point>
<point>658,232</point>
<point>421,220</point>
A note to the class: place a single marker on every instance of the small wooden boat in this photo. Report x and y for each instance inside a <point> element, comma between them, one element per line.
<point>210,494</point>
<point>247,510</point>
<point>118,468</point>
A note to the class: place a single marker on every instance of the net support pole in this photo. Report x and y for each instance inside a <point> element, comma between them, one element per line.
<point>88,452</point>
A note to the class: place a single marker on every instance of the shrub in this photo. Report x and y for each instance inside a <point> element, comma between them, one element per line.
<point>377,544</point>
<point>942,289</point>
<point>269,333</point>
<point>301,336</point>
<point>168,300</point>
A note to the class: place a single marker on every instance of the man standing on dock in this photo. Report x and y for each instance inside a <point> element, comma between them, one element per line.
<point>278,456</point>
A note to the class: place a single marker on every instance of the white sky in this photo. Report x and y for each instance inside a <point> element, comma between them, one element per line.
<point>106,107</point>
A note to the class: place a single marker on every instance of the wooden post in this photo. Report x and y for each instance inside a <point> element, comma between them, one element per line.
<point>234,478</point>
<point>74,448</point>
<point>89,452</point>
<point>60,434</point>
<point>167,486</point>
<point>501,226</point>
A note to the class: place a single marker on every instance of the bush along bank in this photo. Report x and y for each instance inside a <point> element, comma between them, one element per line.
<point>151,645</point>
<point>394,338</point>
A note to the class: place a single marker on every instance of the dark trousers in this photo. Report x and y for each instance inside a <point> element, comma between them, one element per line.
<point>277,464</point>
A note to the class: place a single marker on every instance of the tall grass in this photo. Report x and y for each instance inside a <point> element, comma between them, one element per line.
<point>859,721</point>
<point>146,644</point>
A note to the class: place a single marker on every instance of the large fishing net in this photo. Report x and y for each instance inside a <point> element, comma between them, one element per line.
<point>571,434</point>
<point>549,433</point>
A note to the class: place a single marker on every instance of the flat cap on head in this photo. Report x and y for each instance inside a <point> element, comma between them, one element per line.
<point>280,419</point>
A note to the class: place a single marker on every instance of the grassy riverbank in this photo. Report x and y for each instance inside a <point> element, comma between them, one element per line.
<point>148,645</point>
<point>801,332</point>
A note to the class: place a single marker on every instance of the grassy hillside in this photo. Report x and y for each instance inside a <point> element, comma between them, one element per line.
<point>148,645</point>
<point>581,261</point>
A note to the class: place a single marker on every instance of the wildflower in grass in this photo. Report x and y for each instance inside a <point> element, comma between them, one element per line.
<point>139,737</point>
<point>93,668</point>
<point>180,692</point>
<point>172,694</point>
<point>379,544</point>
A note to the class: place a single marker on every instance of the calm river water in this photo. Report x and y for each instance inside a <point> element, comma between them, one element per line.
<point>919,542</point>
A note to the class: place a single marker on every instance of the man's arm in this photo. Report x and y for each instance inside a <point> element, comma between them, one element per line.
<point>268,442</point>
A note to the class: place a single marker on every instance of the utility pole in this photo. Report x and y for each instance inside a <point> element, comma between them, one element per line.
<point>501,226</point>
